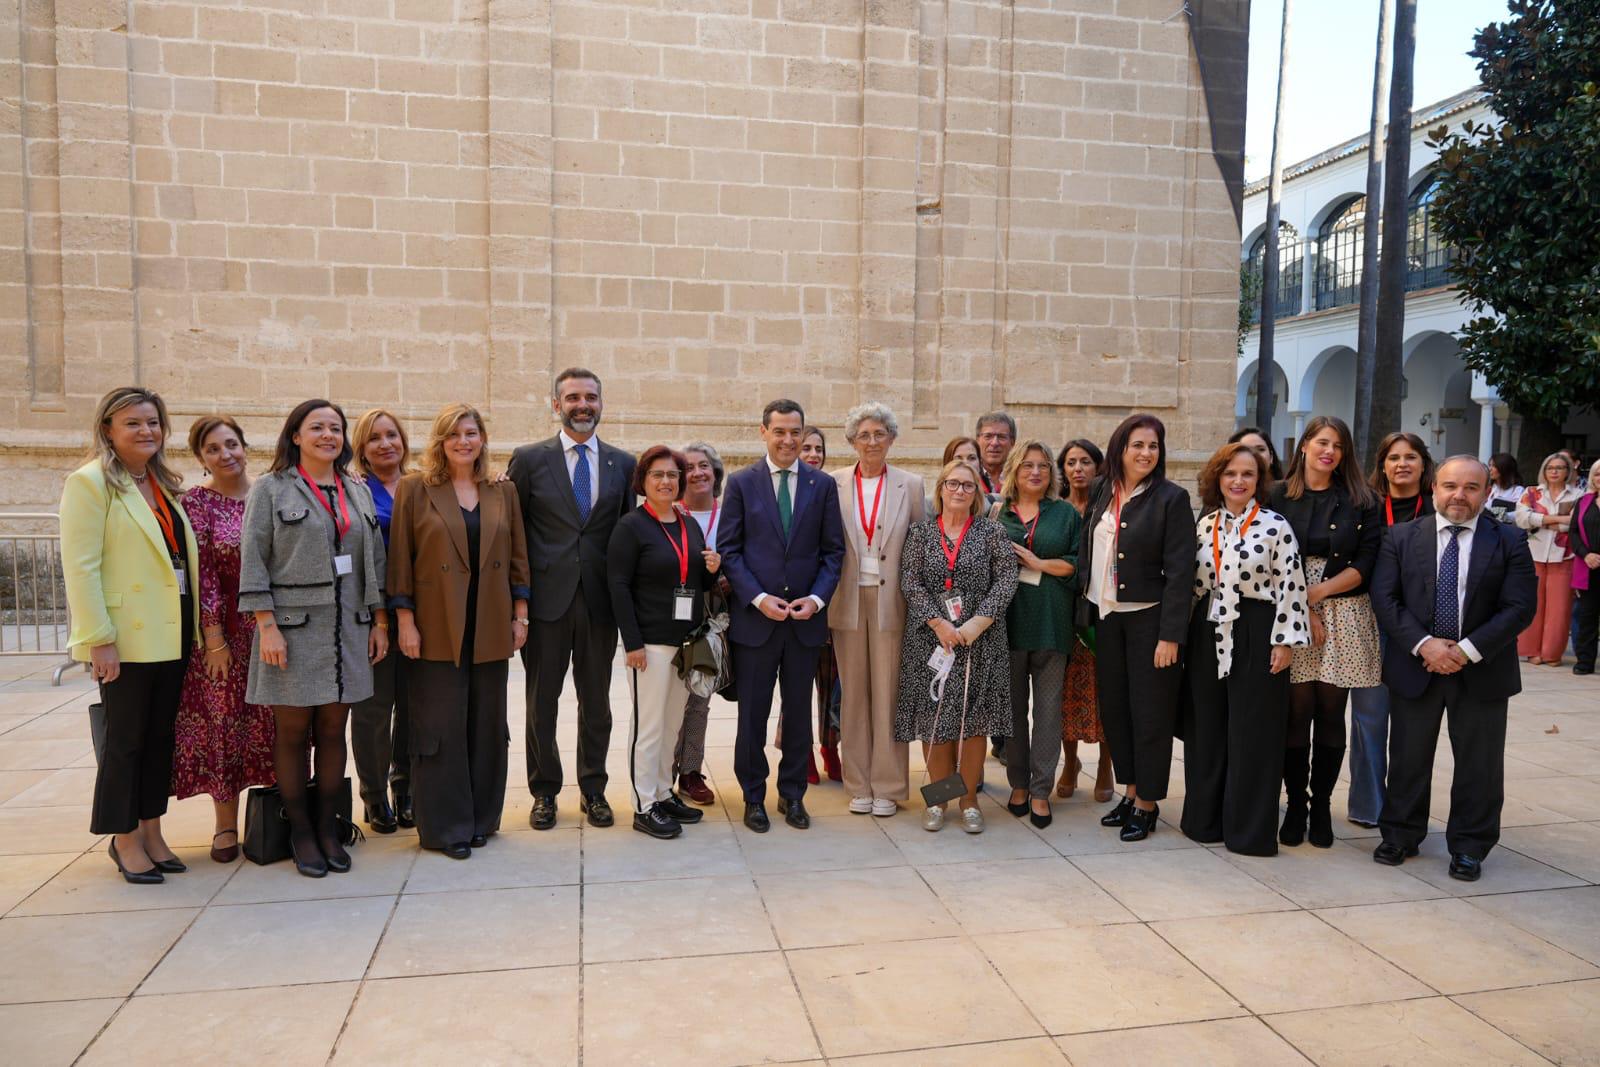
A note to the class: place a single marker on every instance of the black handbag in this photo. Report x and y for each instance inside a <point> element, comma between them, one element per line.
<point>266,824</point>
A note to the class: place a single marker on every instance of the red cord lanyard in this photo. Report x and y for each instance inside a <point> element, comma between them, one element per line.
<point>341,521</point>
<point>681,553</point>
<point>1388,509</point>
<point>1216,544</point>
<point>952,554</point>
<point>869,527</point>
<point>168,529</point>
<point>1029,527</point>
<point>1116,536</point>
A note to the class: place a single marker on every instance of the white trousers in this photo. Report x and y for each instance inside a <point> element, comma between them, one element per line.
<point>658,698</point>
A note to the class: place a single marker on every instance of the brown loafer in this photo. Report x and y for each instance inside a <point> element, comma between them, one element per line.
<point>225,855</point>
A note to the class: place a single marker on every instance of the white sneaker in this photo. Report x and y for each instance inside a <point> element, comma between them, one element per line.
<point>972,820</point>
<point>933,819</point>
<point>883,809</point>
<point>861,805</point>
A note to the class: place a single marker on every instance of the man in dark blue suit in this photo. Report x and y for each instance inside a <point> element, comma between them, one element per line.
<point>1451,591</point>
<point>782,544</point>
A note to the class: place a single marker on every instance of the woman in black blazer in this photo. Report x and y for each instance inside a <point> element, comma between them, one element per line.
<point>1338,522</point>
<point>1136,568</point>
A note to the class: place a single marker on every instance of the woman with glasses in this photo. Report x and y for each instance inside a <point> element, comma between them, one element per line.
<point>1545,511</point>
<point>958,573</point>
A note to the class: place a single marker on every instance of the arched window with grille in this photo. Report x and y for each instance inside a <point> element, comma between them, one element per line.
<point>1428,258</point>
<point>1339,244</point>
<point>1291,268</point>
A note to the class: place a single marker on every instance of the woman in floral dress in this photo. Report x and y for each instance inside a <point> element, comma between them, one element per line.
<point>223,744</point>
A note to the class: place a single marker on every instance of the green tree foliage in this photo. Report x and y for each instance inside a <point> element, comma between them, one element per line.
<point>1520,201</point>
<point>1249,301</point>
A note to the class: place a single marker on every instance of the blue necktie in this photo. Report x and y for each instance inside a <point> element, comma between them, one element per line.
<point>580,484</point>
<point>1446,610</point>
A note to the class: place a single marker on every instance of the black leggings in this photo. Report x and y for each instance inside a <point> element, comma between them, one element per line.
<point>1322,704</point>
<point>324,726</point>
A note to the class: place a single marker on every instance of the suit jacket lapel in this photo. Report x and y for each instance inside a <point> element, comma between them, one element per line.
<point>1425,557</point>
<point>1484,540</point>
<point>140,512</point>
<point>556,457</point>
<point>805,487</point>
<point>605,468</point>
<point>443,499</point>
<point>846,482</point>
<point>769,497</point>
<point>489,509</point>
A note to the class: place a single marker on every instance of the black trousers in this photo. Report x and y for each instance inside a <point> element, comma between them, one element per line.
<point>459,741</point>
<point>379,731</point>
<point>1138,704</point>
<point>1477,788</point>
<point>589,645</point>
<point>792,666</point>
<point>1586,612</point>
<point>1233,734</point>
<point>135,775</point>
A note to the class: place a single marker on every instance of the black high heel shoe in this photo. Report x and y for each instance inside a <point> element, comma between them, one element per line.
<point>317,868</point>
<point>1117,816</point>
<point>150,877</point>
<point>1041,821</point>
<point>1141,824</point>
<point>172,866</point>
<point>1019,810</point>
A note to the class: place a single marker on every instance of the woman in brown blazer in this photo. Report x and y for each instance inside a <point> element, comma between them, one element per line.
<point>458,581</point>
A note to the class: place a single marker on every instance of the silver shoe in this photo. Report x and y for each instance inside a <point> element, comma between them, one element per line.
<point>972,820</point>
<point>933,820</point>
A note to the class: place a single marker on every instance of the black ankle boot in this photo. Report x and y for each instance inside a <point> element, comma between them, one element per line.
<point>1296,769</point>
<point>1325,763</point>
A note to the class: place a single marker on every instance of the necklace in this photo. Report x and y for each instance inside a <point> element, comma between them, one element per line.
<point>140,477</point>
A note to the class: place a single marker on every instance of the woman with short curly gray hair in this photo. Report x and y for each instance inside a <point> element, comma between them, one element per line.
<point>877,412</point>
<point>702,491</point>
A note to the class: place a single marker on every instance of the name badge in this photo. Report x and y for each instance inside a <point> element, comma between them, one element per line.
<point>869,565</point>
<point>682,604</point>
<point>342,565</point>
<point>183,579</point>
<point>941,661</point>
<point>1027,577</point>
<point>952,607</point>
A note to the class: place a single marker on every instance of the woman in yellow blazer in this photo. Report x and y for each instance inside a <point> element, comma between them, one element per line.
<point>129,557</point>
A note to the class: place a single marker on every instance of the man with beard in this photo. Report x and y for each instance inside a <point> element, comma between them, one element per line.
<point>573,488</point>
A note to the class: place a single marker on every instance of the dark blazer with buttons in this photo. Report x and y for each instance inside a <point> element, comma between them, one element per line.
<point>1355,533</point>
<point>1156,550</point>
<point>429,571</point>
<point>757,559</point>
<point>1502,594</point>
<point>564,555</point>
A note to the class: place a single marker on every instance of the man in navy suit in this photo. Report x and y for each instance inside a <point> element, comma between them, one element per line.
<point>1451,590</point>
<point>782,544</point>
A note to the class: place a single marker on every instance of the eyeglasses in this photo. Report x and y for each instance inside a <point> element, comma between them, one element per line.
<point>1036,468</point>
<point>876,437</point>
<point>662,476</point>
<point>953,486</point>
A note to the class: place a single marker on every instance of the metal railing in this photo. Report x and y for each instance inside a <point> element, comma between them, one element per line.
<point>33,597</point>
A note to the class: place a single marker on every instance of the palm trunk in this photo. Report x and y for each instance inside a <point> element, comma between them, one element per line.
<point>1367,324</point>
<point>1269,258</point>
<point>1391,318</point>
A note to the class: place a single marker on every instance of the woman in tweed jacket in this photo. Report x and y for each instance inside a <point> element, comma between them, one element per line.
<point>311,569</point>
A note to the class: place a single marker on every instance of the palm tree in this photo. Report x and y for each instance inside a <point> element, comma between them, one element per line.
<point>1269,260</point>
<point>1391,318</point>
<point>1367,324</point>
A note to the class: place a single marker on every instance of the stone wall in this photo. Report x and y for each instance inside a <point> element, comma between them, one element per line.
<point>950,206</point>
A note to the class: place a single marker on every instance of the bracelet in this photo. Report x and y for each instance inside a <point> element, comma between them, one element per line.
<point>220,648</point>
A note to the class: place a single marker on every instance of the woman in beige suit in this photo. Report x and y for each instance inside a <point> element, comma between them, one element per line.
<point>868,613</point>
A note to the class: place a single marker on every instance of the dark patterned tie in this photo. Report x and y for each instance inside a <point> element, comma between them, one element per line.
<point>1446,609</point>
<point>580,484</point>
<point>785,504</point>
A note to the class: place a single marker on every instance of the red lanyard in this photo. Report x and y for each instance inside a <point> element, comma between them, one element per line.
<point>1388,509</point>
<point>341,521</point>
<point>164,520</point>
<point>1029,527</point>
<point>1116,533</point>
<point>869,527</point>
<point>681,553</point>
<point>952,554</point>
<point>711,529</point>
<point>1216,530</point>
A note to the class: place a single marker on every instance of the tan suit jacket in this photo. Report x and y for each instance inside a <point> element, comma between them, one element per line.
<point>429,570</point>
<point>901,506</point>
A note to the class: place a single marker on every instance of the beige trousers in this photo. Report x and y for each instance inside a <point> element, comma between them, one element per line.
<point>875,764</point>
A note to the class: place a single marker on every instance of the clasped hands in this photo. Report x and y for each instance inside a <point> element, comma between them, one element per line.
<point>1442,656</point>
<point>950,635</point>
<point>778,609</point>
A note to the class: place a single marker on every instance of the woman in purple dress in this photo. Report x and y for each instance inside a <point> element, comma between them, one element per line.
<point>223,745</point>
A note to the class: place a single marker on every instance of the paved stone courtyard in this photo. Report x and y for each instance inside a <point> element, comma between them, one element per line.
<point>860,941</point>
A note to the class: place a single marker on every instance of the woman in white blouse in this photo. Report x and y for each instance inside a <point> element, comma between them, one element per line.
<point>1250,609</point>
<point>1545,511</point>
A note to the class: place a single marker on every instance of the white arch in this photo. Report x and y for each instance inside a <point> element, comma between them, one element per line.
<point>1304,392</point>
<point>1247,378</point>
<point>1338,200</point>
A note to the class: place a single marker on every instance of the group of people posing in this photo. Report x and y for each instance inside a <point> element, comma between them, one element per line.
<point>1038,597</point>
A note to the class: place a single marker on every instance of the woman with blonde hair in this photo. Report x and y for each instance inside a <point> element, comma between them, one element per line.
<point>958,573</point>
<point>378,725</point>
<point>1545,511</point>
<point>129,559</point>
<point>458,582</point>
<point>1044,532</point>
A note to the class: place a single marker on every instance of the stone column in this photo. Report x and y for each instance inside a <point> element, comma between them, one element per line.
<point>1486,428</point>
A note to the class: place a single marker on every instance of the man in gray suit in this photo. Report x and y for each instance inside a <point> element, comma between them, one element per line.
<point>573,488</point>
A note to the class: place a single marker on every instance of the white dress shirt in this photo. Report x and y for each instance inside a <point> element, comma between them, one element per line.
<point>1464,545</point>
<point>868,571</point>
<point>794,485</point>
<point>569,451</point>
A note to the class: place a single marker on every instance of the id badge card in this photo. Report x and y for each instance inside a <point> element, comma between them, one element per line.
<point>342,564</point>
<point>869,565</point>
<point>183,579</point>
<point>952,607</point>
<point>941,661</point>
<point>1027,577</point>
<point>682,604</point>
